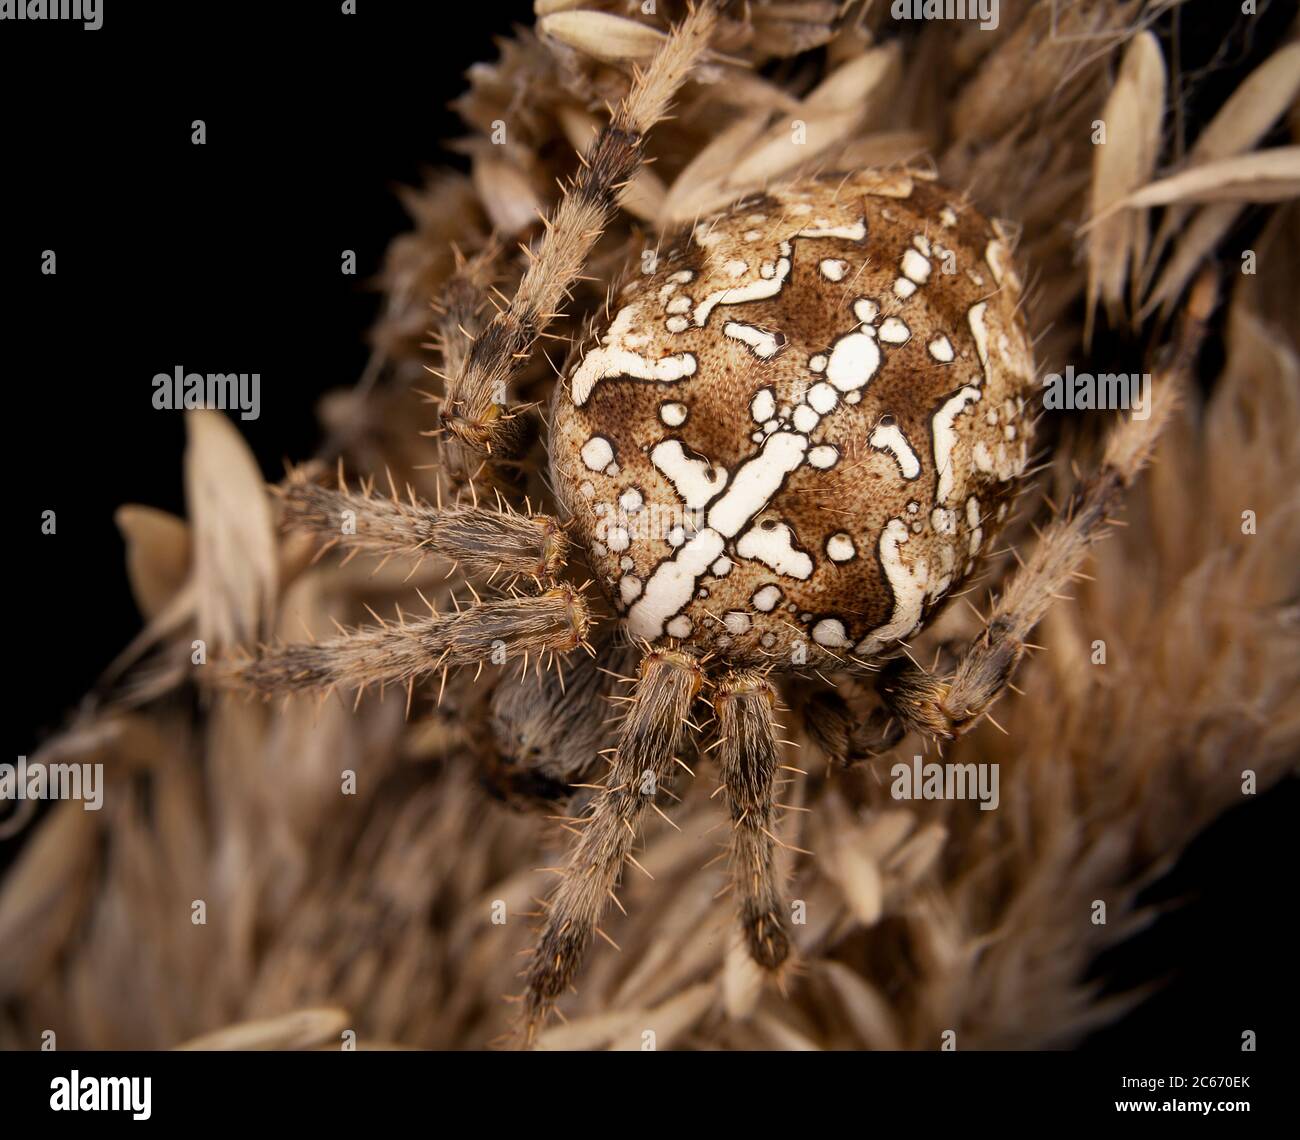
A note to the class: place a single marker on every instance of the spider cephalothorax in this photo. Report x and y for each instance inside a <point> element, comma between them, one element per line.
<point>793,433</point>
<point>803,424</point>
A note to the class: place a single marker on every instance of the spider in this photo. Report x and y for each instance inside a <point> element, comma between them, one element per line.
<point>795,433</point>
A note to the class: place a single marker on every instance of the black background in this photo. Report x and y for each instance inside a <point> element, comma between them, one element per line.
<point>225,257</point>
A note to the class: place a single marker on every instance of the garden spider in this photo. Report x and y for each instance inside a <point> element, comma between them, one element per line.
<point>795,434</point>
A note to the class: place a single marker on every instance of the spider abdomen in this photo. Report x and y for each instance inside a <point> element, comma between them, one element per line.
<point>802,424</point>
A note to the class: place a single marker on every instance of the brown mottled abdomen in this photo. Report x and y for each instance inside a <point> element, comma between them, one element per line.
<point>798,432</point>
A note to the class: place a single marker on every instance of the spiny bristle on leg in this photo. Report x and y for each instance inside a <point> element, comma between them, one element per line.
<point>461,308</point>
<point>946,706</point>
<point>747,754</point>
<point>395,654</point>
<point>498,544</point>
<point>651,735</point>
<point>475,393</point>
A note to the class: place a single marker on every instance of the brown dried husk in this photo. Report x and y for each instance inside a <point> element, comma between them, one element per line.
<point>373,913</point>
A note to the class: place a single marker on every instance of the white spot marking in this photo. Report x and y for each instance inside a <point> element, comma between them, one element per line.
<point>979,330</point>
<point>756,481</point>
<point>823,398</point>
<point>945,438</point>
<point>617,358</point>
<point>916,267</point>
<point>830,633</point>
<point>766,597</point>
<point>760,290</point>
<point>597,453</point>
<point>840,548</point>
<point>973,522</point>
<point>695,480</point>
<point>890,438</point>
<point>765,344</point>
<point>705,236</point>
<point>672,584</point>
<point>909,584</point>
<point>941,349</point>
<point>805,419</point>
<point>894,331</point>
<point>855,232</point>
<point>853,361</point>
<point>629,588</point>
<point>737,622</point>
<point>674,415</point>
<point>763,406</point>
<point>866,310</point>
<point>999,261</point>
<point>774,547</point>
<point>630,500</point>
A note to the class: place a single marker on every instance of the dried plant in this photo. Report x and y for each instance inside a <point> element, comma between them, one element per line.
<point>398,908</point>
